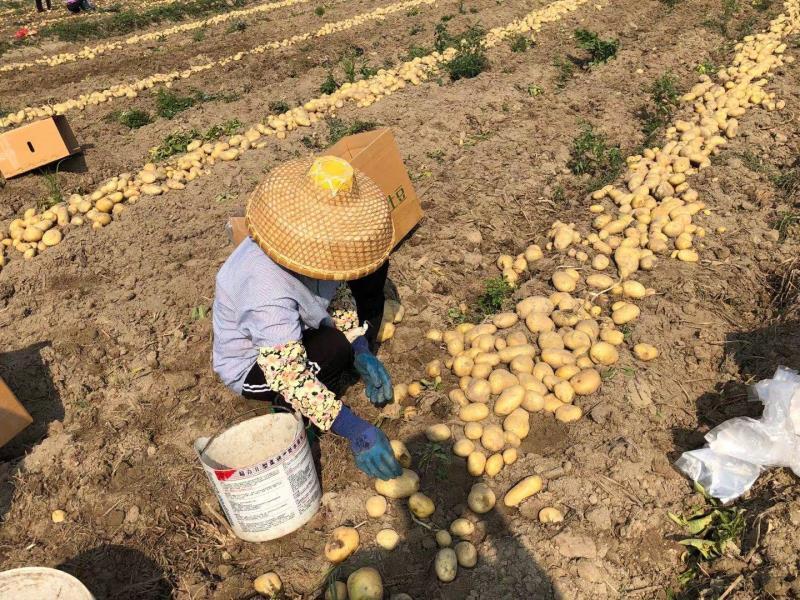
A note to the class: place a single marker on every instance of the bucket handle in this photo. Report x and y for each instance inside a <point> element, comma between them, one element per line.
<point>234,420</point>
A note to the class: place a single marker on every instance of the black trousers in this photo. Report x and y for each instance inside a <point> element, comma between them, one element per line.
<point>39,6</point>
<point>326,348</point>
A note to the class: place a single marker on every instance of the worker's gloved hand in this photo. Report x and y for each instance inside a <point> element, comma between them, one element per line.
<point>371,448</point>
<point>376,379</point>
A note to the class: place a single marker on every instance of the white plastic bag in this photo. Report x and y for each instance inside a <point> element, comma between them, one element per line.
<point>739,448</point>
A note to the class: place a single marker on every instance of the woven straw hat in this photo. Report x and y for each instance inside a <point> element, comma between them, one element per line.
<point>321,218</point>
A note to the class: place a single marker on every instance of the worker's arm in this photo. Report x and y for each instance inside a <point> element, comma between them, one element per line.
<point>369,297</point>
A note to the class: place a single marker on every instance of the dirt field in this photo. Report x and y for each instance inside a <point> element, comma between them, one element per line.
<point>103,343</point>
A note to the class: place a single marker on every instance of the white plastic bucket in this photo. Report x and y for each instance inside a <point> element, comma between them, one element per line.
<point>36,583</point>
<point>263,473</point>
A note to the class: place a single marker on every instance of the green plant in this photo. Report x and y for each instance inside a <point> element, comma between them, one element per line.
<point>367,71</point>
<point>664,97</point>
<point>337,128</point>
<point>600,51</point>
<point>721,23</point>
<point>330,84</point>
<point>761,5</point>
<point>559,194</point>
<point>592,154</point>
<point>311,142</point>
<point>535,90</point>
<point>319,11</point>
<point>199,313</point>
<point>496,291</point>
<point>671,3</point>
<point>169,104</point>
<point>236,27</point>
<point>133,118</point>
<point>470,59</point>
<point>278,107</point>
<point>348,63</point>
<point>713,529</point>
<point>434,456</point>
<point>461,9</point>
<point>175,143</point>
<point>417,52</point>
<point>706,68</point>
<point>54,195</point>
<point>416,29</point>
<point>788,182</point>
<point>519,43</point>
<point>785,222</point>
<point>566,69</point>
<point>199,35</point>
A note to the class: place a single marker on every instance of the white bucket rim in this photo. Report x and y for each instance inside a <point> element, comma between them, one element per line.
<point>20,574</point>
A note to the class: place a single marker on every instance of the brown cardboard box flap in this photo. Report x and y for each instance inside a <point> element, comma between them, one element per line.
<point>35,145</point>
<point>13,416</point>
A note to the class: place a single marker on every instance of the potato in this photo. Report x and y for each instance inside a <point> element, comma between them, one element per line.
<point>510,353</point>
<point>481,498</point>
<point>476,463</point>
<point>633,289</point>
<point>434,335</point>
<point>376,506</point>
<point>586,382</point>
<point>466,554</point>
<point>433,369</point>
<point>625,313</point>
<point>479,330</point>
<point>481,371</point>
<point>365,584</point>
<point>645,352</point>
<point>401,453</point>
<point>422,506</point>
<point>487,358</point>
<point>551,403</point>
<point>399,487</point>
<point>462,528</point>
<point>550,381</point>
<point>599,281</point>
<point>462,365</point>
<point>505,320</point>
<point>567,371</point>
<point>589,327</point>
<point>550,340</point>
<point>446,565</point>
<point>473,412</point>
<point>438,433</point>
<point>458,397</point>
<point>509,400</point>
<point>521,364</point>
<point>473,431</point>
<point>568,413</point>
<point>336,591</point>
<point>455,347</point>
<point>463,448</point>
<point>443,538</point>
<point>603,353</point>
<point>451,336</point>
<point>342,543</point>
<point>550,514</point>
<point>538,322</point>
<point>463,382</point>
<point>387,539</point>
<point>512,440</point>
<point>563,282</point>
<point>612,336</point>
<point>534,304</point>
<point>483,343</point>
<point>492,438</point>
<point>517,338</point>
<point>504,261</point>
<point>510,456</point>
<point>500,379</point>
<point>52,237</point>
<point>400,392</point>
<point>600,262</point>
<point>500,343</point>
<point>531,383</point>
<point>518,423</point>
<point>564,392</point>
<point>557,358</point>
<point>533,401</point>
<point>415,389</point>
<point>494,464</point>
<point>523,490</point>
<point>576,339</point>
<point>627,260</point>
<point>478,390</point>
<point>269,585</point>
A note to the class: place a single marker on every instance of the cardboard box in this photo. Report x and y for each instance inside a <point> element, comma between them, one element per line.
<point>376,154</point>
<point>13,416</point>
<point>36,145</point>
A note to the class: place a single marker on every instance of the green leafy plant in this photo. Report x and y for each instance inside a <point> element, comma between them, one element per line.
<point>337,128</point>
<point>785,222</point>
<point>534,90</point>
<point>496,291</point>
<point>565,68</point>
<point>54,194</point>
<point>236,27</point>
<point>416,29</point>
<point>330,84</point>
<point>706,68</point>
<point>519,43</point>
<point>176,143</point>
<point>600,51</point>
<point>169,104</point>
<point>199,313</point>
<point>664,98</point>
<point>278,107</point>
<point>319,11</point>
<point>133,118</point>
<point>417,52</point>
<point>721,23</point>
<point>592,154</point>
<point>470,59</point>
<point>434,456</point>
<point>199,35</point>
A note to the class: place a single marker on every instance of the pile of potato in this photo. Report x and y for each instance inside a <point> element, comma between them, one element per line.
<point>92,52</point>
<point>295,117</point>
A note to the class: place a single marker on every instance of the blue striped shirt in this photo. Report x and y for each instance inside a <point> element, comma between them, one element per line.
<point>257,304</point>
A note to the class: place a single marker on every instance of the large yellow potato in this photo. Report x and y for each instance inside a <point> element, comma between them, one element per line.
<point>462,528</point>
<point>336,591</point>
<point>492,438</point>
<point>487,358</point>
<point>458,397</point>
<point>550,514</point>
<point>463,448</point>
<point>481,498</point>
<point>517,338</point>
<point>511,352</point>
<point>473,430</point>
<point>564,282</point>
<point>422,506</point>
<point>533,401</point>
<point>538,322</point>
<point>399,487</point>
<point>501,379</point>
<point>376,506</point>
<point>466,554</point>
<point>462,365</point>
<point>446,565</point>
<point>342,543</point>
<point>476,463</point>
<point>557,358</point>
<point>509,400</point>
<point>512,440</point>
<point>494,464</point>
<point>268,585</point>
<point>365,584</point>
<point>443,538</point>
<point>518,423</point>
<point>473,412</point>
<point>401,453</point>
<point>479,390</point>
<point>505,320</point>
<point>567,371</point>
<point>521,364</point>
<point>510,456</point>
<point>625,313</point>
<point>575,339</point>
<point>604,353</point>
<point>586,382</point>
<point>481,371</point>
<point>438,433</point>
<point>645,352</point>
<point>568,413</point>
<point>523,490</point>
<point>387,539</point>
<point>531,383</point>
<point>564,392</point>
<point>589,327</point>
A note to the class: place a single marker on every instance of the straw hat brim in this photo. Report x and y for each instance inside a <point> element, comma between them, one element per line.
<point>309,231</point>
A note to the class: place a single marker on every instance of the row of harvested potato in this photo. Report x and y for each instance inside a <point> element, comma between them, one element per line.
<point>174,173</point>
<point>92,52</point>
<point>132,90</point>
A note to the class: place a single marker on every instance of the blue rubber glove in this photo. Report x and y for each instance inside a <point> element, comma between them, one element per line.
<point>371,448</point>
<point>376,379</point>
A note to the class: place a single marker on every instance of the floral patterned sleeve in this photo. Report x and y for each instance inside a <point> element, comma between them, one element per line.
<point>344,315</point>
<point>288,372</point>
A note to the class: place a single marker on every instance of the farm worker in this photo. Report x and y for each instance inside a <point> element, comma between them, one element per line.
<point>313,224</point>
<point>76,6</point>
<point>40,7</point>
